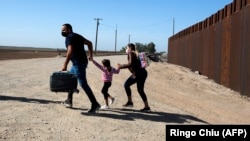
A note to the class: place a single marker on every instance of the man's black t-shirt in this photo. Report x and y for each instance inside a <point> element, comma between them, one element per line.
<point>77,41</point>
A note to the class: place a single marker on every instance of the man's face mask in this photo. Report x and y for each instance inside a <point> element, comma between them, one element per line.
<point>64,34</point>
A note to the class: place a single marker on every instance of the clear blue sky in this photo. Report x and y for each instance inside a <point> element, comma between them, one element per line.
<point>37,23</point>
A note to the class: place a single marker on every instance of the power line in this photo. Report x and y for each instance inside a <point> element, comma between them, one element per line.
<point>115,37</point>
<point>140,26</point>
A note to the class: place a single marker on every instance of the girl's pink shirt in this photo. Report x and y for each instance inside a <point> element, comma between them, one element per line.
<point>106,75</point>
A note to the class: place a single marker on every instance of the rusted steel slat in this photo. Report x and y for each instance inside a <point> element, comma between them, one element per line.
<point>217,52</point>
<point>245,64</point>
<point>225,51</point>
<point>235,53</point>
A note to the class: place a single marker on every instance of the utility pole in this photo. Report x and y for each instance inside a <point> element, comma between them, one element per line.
<point>173,26</point>
<point>115,37</point>
<point>128,38</point>
<point>97,24</point>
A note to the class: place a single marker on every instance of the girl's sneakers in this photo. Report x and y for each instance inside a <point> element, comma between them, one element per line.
<point>104,107</point>
<point>112,100</point>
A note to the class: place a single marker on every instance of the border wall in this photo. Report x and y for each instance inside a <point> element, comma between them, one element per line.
<point>218,47</point>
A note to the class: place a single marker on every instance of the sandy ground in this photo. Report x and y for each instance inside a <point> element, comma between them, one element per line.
<point>30,112</point>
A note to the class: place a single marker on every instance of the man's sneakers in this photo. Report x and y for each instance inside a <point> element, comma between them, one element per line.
<point>94,108</point>
<point>128,104</point>
<point>68,103</point>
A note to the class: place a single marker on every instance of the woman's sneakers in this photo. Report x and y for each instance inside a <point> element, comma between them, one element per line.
<point>145,109</point>
<point>128,104</point>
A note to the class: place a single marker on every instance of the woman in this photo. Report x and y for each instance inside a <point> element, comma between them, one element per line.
<point>138,75</point>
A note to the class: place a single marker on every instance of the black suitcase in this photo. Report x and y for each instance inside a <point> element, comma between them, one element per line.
<point>63,82</point>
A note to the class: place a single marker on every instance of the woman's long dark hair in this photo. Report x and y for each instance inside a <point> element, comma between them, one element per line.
<point>131,46</point>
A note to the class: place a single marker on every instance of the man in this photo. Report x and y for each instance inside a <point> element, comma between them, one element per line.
<point>77,55</point>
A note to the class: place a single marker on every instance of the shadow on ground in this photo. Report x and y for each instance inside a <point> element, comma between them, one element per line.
<point>25,99</point>
<point>121,113</point>
<point>156,116</point>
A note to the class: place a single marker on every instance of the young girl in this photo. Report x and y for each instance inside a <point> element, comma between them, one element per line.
<point>107,74</point>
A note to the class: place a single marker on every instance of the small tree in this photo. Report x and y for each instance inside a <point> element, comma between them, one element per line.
<point>150,48</point>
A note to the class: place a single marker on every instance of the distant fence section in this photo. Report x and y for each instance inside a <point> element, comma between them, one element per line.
<point>218,47</point>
